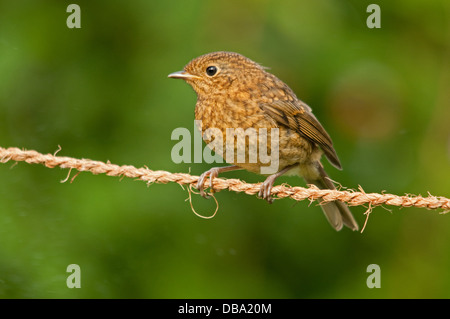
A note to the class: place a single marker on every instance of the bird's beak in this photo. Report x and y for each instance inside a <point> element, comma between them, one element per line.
<point>183,75</point>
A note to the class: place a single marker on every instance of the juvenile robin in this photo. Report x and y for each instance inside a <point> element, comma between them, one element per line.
<point>233,92</point>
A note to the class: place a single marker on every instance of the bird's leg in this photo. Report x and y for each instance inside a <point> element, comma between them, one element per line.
<point>266,187</point>
<point>212,173</point>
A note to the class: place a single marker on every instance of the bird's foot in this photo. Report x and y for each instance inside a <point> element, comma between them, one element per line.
<point>212,173</point>
<point>266,188</point>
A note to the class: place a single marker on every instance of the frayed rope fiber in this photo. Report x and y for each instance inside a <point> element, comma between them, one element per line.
<point>353,198</point>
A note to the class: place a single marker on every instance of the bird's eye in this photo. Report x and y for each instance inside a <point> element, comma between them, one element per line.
<point>211,70</point>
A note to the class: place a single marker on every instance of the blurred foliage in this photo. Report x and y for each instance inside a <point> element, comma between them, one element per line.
<point>102,92</point>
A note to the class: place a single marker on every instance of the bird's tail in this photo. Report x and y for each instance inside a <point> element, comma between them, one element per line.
<point>337,212</point>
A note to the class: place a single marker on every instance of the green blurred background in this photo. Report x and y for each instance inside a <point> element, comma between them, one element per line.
<point>102,92</point>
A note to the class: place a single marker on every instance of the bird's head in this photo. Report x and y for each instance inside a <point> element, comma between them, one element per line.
<point>220,73</point>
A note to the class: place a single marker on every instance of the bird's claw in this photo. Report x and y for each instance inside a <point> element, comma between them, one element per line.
<point>266,189</point>
<point>212,173</point>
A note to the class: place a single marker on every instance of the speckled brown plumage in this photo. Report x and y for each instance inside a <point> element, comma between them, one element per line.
<point>235,92</point>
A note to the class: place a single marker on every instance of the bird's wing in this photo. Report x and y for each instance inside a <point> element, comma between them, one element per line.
<point>298,116</point>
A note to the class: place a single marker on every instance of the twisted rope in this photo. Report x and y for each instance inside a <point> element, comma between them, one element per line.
<point>312,193</point>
